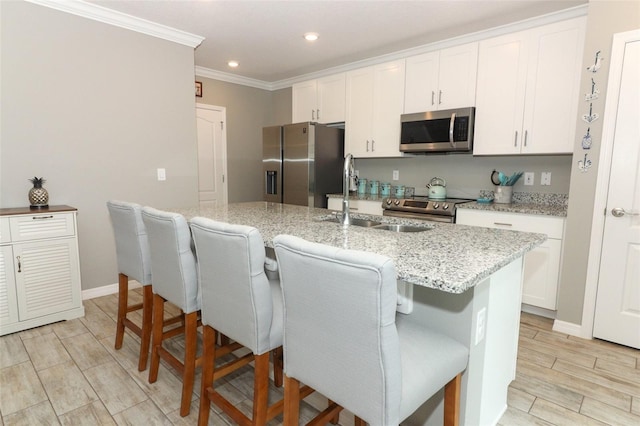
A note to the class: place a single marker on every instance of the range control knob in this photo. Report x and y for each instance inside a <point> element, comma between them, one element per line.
<point>388,201</point>
<point>445,206</point>
<point>396,202</point>
<point>436,205</point>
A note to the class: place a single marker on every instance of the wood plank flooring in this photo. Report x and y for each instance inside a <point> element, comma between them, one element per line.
<point>69,373</point>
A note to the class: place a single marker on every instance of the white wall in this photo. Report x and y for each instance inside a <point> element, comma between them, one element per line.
<point>94,109</point>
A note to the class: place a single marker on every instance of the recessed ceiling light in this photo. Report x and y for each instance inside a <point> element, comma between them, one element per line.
<point>311,36</point>
<point>233,64</point>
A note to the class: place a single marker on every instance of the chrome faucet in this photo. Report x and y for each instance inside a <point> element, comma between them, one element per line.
<point>346,175</point>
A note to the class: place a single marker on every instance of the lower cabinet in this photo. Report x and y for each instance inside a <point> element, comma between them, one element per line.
<point>542,264</point>
<point>356,206</point>
<point>39,269</point>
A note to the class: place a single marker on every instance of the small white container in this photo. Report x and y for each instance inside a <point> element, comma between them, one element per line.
<point>502,194</point>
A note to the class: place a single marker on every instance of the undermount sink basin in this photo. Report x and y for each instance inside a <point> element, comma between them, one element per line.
<point>402,228</point>
<point>356,222</point>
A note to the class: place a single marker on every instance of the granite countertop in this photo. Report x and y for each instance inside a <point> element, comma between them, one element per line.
<point>448,257</point>
<point>356,196</point>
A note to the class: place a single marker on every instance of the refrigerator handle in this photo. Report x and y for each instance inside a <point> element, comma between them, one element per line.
<point>271,180</point>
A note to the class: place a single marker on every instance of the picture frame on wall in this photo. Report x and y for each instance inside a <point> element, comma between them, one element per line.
<point>199,89</point>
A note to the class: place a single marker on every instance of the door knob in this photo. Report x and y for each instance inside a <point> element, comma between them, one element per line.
<point>619,212</point>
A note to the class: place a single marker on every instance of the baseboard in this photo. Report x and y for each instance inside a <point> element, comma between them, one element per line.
<point>542,312</point>
<point>569,328</point>
<point>105,290</point>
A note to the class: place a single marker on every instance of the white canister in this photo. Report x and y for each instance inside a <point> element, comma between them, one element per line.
<point>502,194</point>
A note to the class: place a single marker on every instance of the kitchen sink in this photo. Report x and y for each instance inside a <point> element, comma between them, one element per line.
<point>402,228</point>
<point>366,223</point>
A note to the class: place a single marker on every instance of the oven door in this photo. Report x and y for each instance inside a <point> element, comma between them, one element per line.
<point>418,216</point>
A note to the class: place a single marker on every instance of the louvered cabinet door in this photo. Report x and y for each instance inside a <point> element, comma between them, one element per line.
<point>47,277</point>
<point>8,302</point>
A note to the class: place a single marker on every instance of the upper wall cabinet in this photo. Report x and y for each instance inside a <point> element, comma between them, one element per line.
<point>375,99</point>
<point>321,100</point>
<point>441,80</point>
<point>528,90</point>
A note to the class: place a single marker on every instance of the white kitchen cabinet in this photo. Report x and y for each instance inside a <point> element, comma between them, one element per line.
<point>375,100</point>
<point>528,90</point>
<point>542,264</point>
<point>442,79</point>
<point>322,100</point>
<point>39,268</point>
<point>356,206</point>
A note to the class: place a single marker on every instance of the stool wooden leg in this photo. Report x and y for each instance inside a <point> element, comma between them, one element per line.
<point>291,401</point>
<point>123,298</point>
<point>190,348</point>
<point>452,401</point>
<point>158,318</point>
<point>147,321</point>
<point>208,359</point>
<point>277,367</point>
<point>261,389</point>
<point>359,422</point>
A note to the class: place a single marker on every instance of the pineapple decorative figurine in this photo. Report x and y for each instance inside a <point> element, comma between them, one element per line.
<point>38,196</point>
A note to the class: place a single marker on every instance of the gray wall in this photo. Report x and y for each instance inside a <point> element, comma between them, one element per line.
<point>465,174</point>
<point>248,111</point>
<point>605,19</point>
<point>95,109</point>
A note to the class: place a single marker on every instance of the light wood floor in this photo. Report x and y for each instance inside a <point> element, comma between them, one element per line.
<point>68,373</point>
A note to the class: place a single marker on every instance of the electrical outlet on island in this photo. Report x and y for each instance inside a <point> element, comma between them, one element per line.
<point>529,177</point>
<point>545,178</point>
<point>396,175</point>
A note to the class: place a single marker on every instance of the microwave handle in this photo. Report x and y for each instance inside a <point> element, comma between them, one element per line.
<point>451,123</point>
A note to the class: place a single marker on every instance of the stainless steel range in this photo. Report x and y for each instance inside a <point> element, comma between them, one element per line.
<point>423,208</point>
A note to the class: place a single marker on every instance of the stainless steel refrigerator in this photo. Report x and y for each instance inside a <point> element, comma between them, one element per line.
<point>302,163</point>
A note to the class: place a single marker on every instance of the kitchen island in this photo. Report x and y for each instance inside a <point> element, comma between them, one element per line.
<point>465,281</point>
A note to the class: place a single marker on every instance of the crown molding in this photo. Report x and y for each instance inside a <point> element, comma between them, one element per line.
<point>122,20</point>
<point>537,21</point>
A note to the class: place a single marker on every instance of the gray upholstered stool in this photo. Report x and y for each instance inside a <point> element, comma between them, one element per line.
<point>343,339</point>
<point>132,251</point>
<point>240,301</point>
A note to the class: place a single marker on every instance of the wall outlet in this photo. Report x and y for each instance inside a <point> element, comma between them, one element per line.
<point>545,178</point>
<point>481,325</point>
<point>162,174</point>
<point>529,177</point>
<point>396,175</point>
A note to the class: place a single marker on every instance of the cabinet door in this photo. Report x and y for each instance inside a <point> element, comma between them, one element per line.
<point>502,77</point>
<point>457,77</point>
<point>553,87</point>
<point>304,101</point>
<point>331,99</point>
<point>388,103</point>
<point>47,277</point>
<point>541,269</point>
<point>8,301</point>
<point>359,112</point>
<point>421,85</point>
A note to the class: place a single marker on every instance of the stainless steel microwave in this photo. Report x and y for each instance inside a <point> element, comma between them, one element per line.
<point>437,131</point>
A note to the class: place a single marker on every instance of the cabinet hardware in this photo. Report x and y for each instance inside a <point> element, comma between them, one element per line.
<point>433,97</point>
<point>515,139</point>
<point>19,264</point>
<point>313,114</point>
<point>318,114</point>
<point>222,125</point>
<point>41,217</point>
<point>440,97</point>
<point>502,224</point>
<point>526,133</point>
<point>367,145</point>
<point>373,147</point>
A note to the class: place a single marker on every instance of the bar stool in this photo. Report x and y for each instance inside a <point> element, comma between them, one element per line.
<point>173,265</point>
<point>342,338</point>
<point>240,301</point>
<point>132,252</point>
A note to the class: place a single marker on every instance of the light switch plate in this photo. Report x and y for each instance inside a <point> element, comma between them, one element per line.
<point>162,174</point>
<point>529,177</point>
<point>545,178</point>
<point>396,174</point>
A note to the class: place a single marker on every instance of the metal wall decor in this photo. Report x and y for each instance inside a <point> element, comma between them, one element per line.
<point>587,140</point>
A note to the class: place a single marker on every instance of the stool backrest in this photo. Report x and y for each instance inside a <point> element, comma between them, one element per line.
<point>173,262</point>
<point>236,295</point>
<point>132,245</point>
<point>340,336</point>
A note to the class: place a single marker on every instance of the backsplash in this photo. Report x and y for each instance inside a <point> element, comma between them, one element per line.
<point>533,198</point>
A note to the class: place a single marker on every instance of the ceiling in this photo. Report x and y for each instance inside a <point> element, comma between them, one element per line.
<point>266,37</point>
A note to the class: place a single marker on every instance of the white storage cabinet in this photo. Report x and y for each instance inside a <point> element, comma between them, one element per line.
<point>356,206</point>
<point>542,264</point>
<point>375,100</point>
<point>322,100</point>
<point>443,79</point>
<point>528,90</point>
<point>39,268</point>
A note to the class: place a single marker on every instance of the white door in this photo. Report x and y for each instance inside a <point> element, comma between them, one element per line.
<point>617,314</point>
<point>212,155</point>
